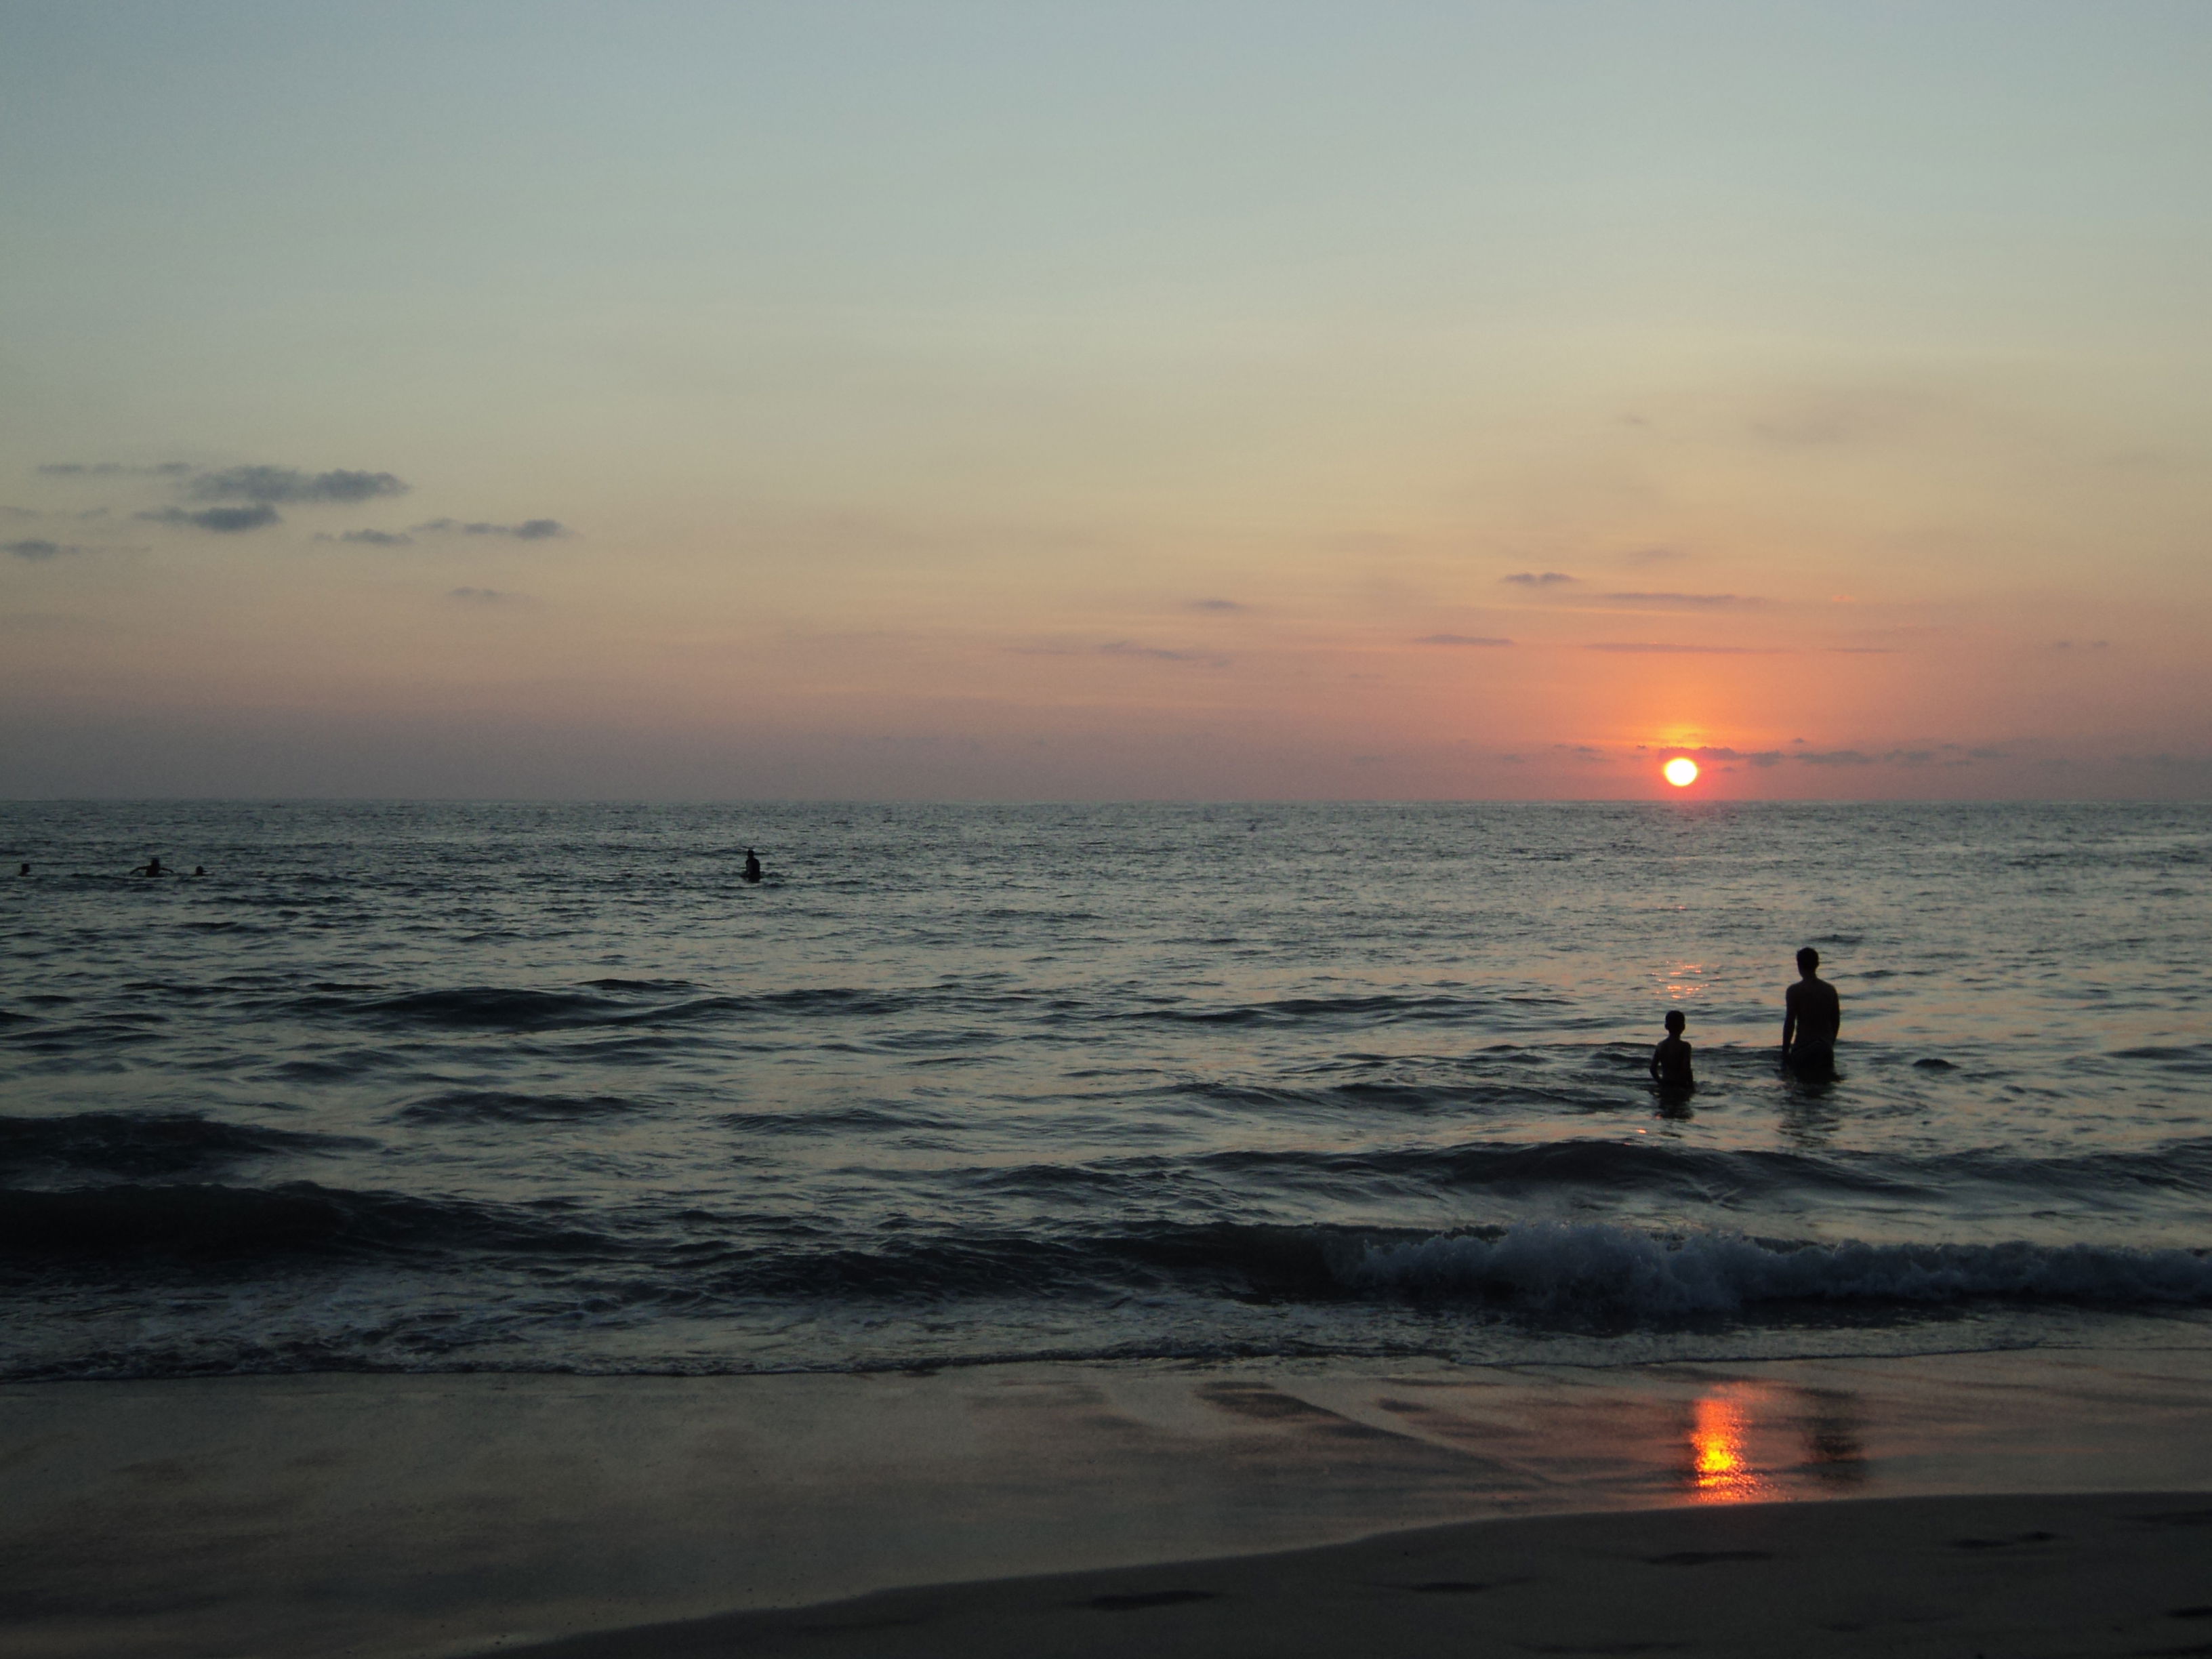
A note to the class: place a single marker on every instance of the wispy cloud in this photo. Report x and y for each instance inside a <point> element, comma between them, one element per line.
<point>285,483</point>
<point>1755,757</point>
<point>113,469</point>
<point>1833,758</point>
<point>529,530</point>
<point>1830,415</point>
<point>225,520</point>
<point>1537,578</point>
<point>485,596</point>
<point>1161,653</point>
<point>37,547</point>
<point>1217,605</point>
<point>1656,649</point>
<point>1697,601</point>
<point>1459,639</point>
<point>2166,761</point>
<point>371,538</point>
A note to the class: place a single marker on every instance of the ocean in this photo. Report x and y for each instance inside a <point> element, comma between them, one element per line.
<point>549,1088</point>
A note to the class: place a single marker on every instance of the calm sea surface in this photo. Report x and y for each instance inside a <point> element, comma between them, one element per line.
<point>432,1087</point>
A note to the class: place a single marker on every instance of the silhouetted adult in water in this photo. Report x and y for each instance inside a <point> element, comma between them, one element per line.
<point>1811,1015</point>
<point>153,867</point>
<point>752,864</point>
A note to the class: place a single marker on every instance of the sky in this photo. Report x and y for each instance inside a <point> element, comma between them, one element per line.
<point>1105,401</point>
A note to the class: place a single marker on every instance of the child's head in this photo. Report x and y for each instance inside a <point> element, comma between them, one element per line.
<point>1675,1022</point>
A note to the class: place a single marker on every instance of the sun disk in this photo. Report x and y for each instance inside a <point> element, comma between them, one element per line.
<point>1681,771</point>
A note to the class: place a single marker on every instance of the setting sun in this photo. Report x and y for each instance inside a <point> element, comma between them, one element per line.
<point>1681,771</point>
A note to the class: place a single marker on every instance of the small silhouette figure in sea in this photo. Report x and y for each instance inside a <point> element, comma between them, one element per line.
<point>24,870</point>
<point>153,867</point>
<point>199,869</point>
<point>1670,1060</point>
<point>1811,1013</point>
<point>752,864</point>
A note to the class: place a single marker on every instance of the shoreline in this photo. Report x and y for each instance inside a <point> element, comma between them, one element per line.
<point>393,1516</point>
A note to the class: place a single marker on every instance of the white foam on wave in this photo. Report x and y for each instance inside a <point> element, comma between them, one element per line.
<point>1594,1268</point>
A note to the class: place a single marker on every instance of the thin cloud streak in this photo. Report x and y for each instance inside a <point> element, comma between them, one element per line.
<point>224,520</point>
<point>529,530</point>
<point>1656,649</point>
<point>1162,653</point>
<point>285,483</point>
<point>1702,601</point>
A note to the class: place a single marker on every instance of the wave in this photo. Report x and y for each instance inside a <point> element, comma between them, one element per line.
<point>148,1143</point>
<point>510,1106</point>
<point>620,1002</point>
<point>192,1223</point>
<point>1602,1271</point>
<point>623,1003</point>
<point>1540,1273</point>
<point>2187,1060</point>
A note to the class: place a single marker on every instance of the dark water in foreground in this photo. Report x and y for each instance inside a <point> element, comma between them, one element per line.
<point>545,1087</point>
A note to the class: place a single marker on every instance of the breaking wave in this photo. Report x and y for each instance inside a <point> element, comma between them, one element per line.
<point>1597,1271</point>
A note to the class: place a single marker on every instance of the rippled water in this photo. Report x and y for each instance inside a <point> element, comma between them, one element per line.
<point>436,1086</point>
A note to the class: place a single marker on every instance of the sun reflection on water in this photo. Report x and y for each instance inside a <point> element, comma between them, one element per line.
<point>1720,1468</point>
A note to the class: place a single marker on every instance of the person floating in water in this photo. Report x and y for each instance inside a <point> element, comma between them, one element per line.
<point>752,864</point>
<point>1670,1060</point>
<point>1811,1013</point>
<point>153,867</point>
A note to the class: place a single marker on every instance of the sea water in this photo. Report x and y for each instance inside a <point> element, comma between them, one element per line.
<point>432,1087</point>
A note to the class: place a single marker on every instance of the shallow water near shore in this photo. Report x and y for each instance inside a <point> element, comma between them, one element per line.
<point>544,1088</point>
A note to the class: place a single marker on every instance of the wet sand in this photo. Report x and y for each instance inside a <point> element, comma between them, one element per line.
<point>400,1516</point>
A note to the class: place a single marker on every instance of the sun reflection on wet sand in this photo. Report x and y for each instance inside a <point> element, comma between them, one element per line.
<point>1720,1468</point>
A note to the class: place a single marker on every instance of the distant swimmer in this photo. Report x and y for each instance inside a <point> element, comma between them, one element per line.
<point>24,870</point>
<point>1812,1015</point>
<point>153,867</point>
<point>1670,1060</point>
<point>199,869</point>
<point>752,864</point>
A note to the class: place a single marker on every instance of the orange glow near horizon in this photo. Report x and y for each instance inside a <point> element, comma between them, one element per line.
<point>1681,771</point>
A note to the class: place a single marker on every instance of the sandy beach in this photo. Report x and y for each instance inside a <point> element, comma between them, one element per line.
<point>2036,1574</point>
<point>1222,1510</point>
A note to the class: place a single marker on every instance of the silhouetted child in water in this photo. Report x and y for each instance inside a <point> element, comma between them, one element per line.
<point>1670,1060</point>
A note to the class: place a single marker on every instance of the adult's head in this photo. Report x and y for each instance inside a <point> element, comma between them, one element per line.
<point>1808,960</point>
<point>1674,1020</point>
